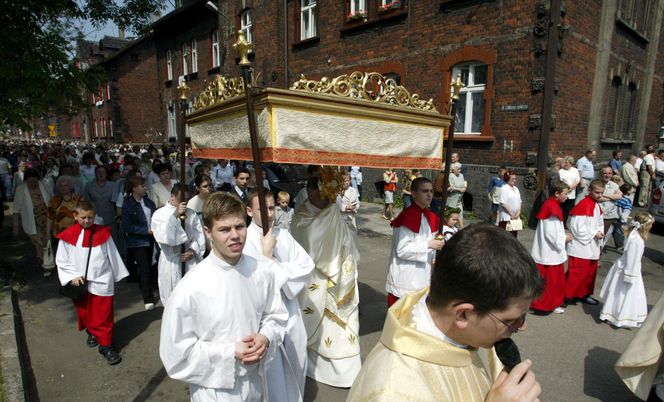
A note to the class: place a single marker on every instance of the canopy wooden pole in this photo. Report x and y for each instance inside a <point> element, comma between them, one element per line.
<point>456,87</point>
<point>243,47</point>
<point>184,103</point>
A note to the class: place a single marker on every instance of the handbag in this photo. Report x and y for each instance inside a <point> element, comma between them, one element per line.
<point>514,225</point>
<point>72,291</point>
<point>49,258</point>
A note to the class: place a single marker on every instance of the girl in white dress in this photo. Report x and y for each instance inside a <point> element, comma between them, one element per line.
<point>624,295</point>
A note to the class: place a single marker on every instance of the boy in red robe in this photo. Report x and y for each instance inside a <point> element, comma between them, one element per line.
<point>587,227</point>
<point>549,252</point>
<point>85,244</point>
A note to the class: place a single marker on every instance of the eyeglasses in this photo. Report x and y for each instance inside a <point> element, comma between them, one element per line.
<point>514,325</point>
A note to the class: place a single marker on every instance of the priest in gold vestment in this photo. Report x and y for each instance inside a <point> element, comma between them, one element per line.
<point>329,302</point>
<point>437,343</point>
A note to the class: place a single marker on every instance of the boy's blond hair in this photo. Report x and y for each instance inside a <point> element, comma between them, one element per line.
<point>282,195</point>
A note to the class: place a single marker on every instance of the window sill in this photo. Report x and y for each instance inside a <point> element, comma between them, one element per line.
<point>353,26</point>
<point>472,138</point>
<point>448,6</point>
<point>616,141</point>
<point>631,31</point>
<point>168,83</point>
<point>214,70</point>
<point>191,76</point>
<point>306,43</point>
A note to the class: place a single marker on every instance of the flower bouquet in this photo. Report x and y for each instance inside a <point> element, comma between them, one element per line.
<point>357,15</point>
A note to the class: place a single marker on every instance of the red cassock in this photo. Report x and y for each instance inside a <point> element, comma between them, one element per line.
<point>581,272</point>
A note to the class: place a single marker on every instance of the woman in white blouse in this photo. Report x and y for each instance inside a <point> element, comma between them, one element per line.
<point>510,201</point>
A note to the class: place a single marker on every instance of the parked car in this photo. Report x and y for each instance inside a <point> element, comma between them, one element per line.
<point>283,177</point>
<point>657,204</point>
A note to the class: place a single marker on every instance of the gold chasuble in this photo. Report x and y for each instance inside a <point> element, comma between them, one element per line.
<point>330,299</point>
<point>408,365</point>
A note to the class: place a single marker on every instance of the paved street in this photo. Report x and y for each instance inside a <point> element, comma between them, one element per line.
<point>573,352</point>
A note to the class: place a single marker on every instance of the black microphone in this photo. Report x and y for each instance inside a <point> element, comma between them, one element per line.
<point>508,353</point>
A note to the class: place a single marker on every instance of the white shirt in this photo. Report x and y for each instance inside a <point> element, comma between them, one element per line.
<point>609,208</point>
<point>410,262</point>
<point>570,177</point>
<point>292,268</point>
<point>105,268</point>
<point>350,197</point>
<point>160,194</point>
<point>549,243</point>
<point>510,196</point>
<point>221,175</point>
<point>584,228</point>
<point>213,307</point>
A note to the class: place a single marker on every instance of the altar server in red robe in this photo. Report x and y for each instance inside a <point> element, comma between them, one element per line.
<point>413,244</point>
<point>88,244</point>
<point>587,227</point>
<point>549,252</point>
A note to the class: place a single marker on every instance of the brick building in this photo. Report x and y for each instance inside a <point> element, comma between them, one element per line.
<point>609,80</point>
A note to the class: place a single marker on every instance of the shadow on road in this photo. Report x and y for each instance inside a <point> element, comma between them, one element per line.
<point>373,309</point>
<point>151,386</point>
<point>128,328</point>
<point>600,380</point>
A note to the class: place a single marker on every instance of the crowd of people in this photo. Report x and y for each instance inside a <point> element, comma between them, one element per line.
<point>238,290</point>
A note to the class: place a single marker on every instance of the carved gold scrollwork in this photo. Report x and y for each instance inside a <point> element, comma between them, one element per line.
<point>373,87</point>
<point>219,90</point>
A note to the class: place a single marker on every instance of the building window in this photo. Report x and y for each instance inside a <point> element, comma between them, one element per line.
<point>194,56</point>
<point>110,127</point>
<point>307,19</point>
<point>169,65</point>
<point>470,107</point>
<point>172,124</point>
<point>216,60</point>
<point>185,58</point>
<point>245,25</point>
<point>96,129</point>
<point>357,9</point>
<point>102,123</point>
<point>620,122</point>
<point>108,91</point>
<point>635,14</point>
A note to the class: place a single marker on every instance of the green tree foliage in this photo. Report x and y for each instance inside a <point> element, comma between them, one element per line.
<point>37,71</point>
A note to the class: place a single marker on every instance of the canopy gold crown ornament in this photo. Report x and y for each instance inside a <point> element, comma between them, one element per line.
<point>243,48</point>
<point>184,89</point>
<point>219,90</point>
<point>373,87</point>
<point>456,86</point>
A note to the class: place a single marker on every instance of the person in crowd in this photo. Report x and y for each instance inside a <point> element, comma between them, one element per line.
<point>30,208</point>
<point>286,372</point>
<point>587,171</point>
<point>137,211</point>
<point>390,178</point>
<point>283,213</point>
<point>241,187</point>
<point>438,182</point>
<point>223,362</point>
<point>624,207</point>
<point>549,252</point>
<point>451,226</point>
<point>570,175</point>
<point>456,189</point>
<point>583,251</point>
<point>160,192</point>
<point>331,313</point>
<point>607,201</point>
<point>179,245</point>
<point>629,173</point>
<point>19,176</point>
<point>405,187</point>
<point>414,244</point>
<point>647,176</point>
<point>625,303</point>
<point>222,175</point>
<point>659,167</point>
<point>356,179</point>
<point>493,191</point>
<point>312,171</point>
<point>200,169</point>
<point>62,208</point>
<point>87,257</point>
<point>437,343</point>
<point>510,201</point>
<point>88,168</point>
<point>6,177</point>
<point>348,203</point>
<point>203,191</point>
<point>616,161</point>
<point>100,192</point>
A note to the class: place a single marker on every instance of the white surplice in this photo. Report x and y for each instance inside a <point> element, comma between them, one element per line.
<point>168,232</point>
<point>584,228</point>
<point>285,373</point>
<point>410,262</point>
<point>330,300</point>
<point>105,268</point>
<point>625,303</point>
<point>350,197</point>
<point>213,307</point>
<point>549,243</point>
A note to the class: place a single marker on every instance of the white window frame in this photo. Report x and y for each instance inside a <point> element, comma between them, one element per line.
<point>216,59</point>
<point>246,23</point>
<point>387,2</point>
<point>357,6</point>
<point>172,122</point>
<point>194,56</point>
<point>108,91</point>
<point>469,89</point>
<point>185,58</point>
<point>310,11</point>
<point>96,129</point>
<point>169,65</point>
<point>110,127</point>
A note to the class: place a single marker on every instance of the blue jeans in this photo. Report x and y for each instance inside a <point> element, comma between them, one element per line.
<point>618,234</point>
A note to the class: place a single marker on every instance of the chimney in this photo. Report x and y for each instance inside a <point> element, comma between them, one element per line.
<point>121,33</point>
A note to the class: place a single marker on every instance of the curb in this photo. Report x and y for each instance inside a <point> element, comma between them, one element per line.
<point>12,377</point>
